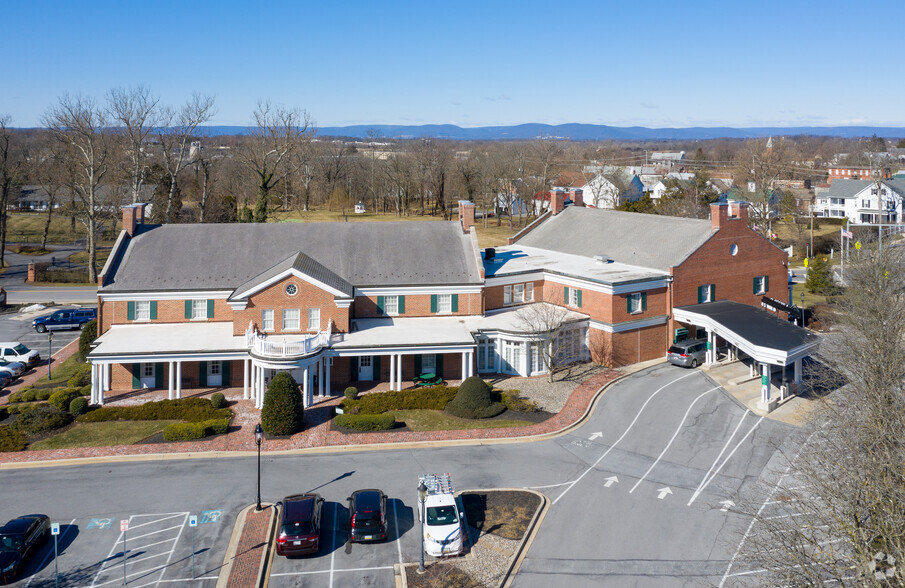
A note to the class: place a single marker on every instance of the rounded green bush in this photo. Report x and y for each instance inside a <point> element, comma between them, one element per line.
<point>365,422</point>
<point>282,413</point>
<point>78,406</point>
<point>218,400</point>
<point>351,393</point>
<point>192,431</point>
<point>42,419</point>
<point>474,401</point>
<point>11,440</point>
<point>63,397</point>
<point>192,410</point>
<point>82,377</point>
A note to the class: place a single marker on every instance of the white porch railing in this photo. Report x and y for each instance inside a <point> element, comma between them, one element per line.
<point>261,345</point>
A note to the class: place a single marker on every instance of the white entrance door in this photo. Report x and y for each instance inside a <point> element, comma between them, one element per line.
<point>147,375</point>
<point>365,368</point>
<point>214,373</point>
<point>512,357</point>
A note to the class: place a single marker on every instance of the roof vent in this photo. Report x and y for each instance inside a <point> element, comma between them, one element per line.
<point>603,259</point>
<point>489,253</point>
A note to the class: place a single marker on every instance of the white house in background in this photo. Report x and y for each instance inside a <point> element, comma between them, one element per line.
<point>612,187</point>
<point>857,200</point>
<point>667,157</point>
<point>663,186</point>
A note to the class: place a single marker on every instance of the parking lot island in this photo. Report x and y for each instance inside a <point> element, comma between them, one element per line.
<point>248,556</point>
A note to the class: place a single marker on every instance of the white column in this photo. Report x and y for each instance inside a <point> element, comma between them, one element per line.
<point>470,356</point>
<point>172,374</point>
<point>765,383</point>
<point>329,388</point>
<point>245,379</point>
<point>464,366</point>
<point>94,382</point>
<point>398,372</point>
<point>261,389</point>
<point>797,371</point>
<point>178,379</point>
<point>392,358</point>
<point>305,401</point>
<point>320,377</point>
<point>105,373</point>
<point>751,371</point>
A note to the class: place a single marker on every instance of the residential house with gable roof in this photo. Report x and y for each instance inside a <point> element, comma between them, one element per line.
<point>861,201</point>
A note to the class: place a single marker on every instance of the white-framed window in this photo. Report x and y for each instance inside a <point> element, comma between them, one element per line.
<point>444,303</point>
<point>314,319</point>
<point>507,294</point>
<point>391,305</point>
<point>291,319</point>
<point>142,310</point>
<point>529,292</point>
<point>147,370</point>
<point>518,293</point>
<point>706,293</point>
<point>574,297</point>
<point>267,319</point>
<point>760,285</point>
<point>199,309</point>
<point>634,303</point>
<point>873,191</point>
<point>429,363</point>
<point>214,368</point>
<point>486,352</point>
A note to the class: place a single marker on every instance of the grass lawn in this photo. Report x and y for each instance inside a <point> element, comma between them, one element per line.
<point>81,257</point>
<point>438,420</point>
<point>61,372</point>
<point>102,434</point>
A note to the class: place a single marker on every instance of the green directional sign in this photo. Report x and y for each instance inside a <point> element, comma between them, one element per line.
<point>764,380</point>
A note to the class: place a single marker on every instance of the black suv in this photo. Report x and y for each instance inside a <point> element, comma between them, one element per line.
<point>18,538</point>
<point>64,319</point>
<point>300,524</point>
<point>367,509</point>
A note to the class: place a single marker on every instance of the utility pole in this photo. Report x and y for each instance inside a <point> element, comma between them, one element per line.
<point>880,215</point>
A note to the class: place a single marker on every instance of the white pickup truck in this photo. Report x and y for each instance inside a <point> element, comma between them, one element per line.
<point>443,517</point>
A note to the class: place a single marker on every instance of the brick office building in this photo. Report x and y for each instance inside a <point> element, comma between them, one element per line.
<point>209,305</point>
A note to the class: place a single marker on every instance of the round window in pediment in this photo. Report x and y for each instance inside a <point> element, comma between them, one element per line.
<point>292,289</point>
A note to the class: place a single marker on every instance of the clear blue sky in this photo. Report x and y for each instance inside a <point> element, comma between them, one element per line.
<point>617,62</point>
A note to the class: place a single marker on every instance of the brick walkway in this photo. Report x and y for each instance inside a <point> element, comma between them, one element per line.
<point>41,371</point>
<point>251,550</point>
<point>317,431</point>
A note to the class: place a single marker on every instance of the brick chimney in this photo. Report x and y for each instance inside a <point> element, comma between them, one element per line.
<point>466,214</point>
<point>722,213</point>
<point>577,197</point>
<point>557,201</point>
<point>133,215</point>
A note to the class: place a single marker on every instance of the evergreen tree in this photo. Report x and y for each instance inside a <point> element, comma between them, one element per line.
<point>819,280</point>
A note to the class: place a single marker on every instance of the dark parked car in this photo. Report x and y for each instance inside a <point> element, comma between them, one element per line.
<point>300,524</point>
<point>367,509</point>
<point>689,353</point>
<point>65,319</point>
<point>18,539</point>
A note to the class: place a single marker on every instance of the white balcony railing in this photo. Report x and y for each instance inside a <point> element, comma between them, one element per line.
<point>261,345</point>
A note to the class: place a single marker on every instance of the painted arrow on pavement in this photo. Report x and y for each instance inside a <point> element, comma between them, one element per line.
<point>727,504</point>
<point>663,492</point>
<point>596,435</point>
<point>610,481</point>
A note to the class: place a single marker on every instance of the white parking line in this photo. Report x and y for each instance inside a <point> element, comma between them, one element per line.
<point>621,437</point>
<point>550,485</point>
<point>133,527</point>
<point>331,571</point>
<point>706,481</point>
<point>163,570</point>
<point>151,533</point>
<point>333,542</point>
<point>398,538</point>
<point>674,435</point>
<point>46,557</point>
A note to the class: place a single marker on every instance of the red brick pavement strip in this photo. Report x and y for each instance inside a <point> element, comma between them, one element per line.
<point>317,431</point>
<point>41,371</point>
<point>252,549</point>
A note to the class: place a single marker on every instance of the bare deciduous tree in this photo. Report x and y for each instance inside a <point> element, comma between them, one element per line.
<point>177,128</point>
<point>546,324</point>
<point>134,111</point>
<point>11,164</point>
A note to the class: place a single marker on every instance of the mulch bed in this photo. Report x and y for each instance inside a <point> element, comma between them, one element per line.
<point>505,513</point>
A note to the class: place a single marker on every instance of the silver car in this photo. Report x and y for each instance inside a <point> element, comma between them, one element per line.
<point>689,353</point>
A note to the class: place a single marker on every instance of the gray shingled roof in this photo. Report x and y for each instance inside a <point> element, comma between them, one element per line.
<point>647,240</point>
<point>845,188</point>
<point>304,264</point>
<point>225,256</point>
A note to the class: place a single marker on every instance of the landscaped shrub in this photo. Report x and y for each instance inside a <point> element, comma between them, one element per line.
<point>473,401</point>
<point>42,419</point>
<point>365,422</point>
<point>86,338</point>
<point>3,413</point>
<point>32,394</point>
<point>192,410</point>
<point>79,405</point>
<point>22,408</point>
<point>431,398</point>
<point>218,400</point>
<point>11,440</point>
<point>351,393</point>
<point>63,396</point>
<point>513,401</point>
<point>191,431</point>
<point>282,413</point>
<point>85,390</point>
<point>82,377</point>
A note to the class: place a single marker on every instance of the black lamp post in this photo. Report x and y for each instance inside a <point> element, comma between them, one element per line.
<point>422,495</point>
<point>802,306</point>
<point>49,352</point>
<point>259,436</point>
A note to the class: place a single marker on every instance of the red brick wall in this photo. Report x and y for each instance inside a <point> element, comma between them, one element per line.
<point>275,297</point>
<point>168,311</point>
<point>416,305</point>
<point>618,349</point>
<point>121,375</point>
<point>341,376</point>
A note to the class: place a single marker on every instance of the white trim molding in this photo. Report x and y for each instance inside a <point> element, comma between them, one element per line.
<point>509,279</point>
<point>627,288</point>
<point>168,295</point>
<point>629,325</point>
<point>283,275</point>
<point>415,290</point>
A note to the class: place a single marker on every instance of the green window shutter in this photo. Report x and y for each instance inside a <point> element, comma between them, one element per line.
<point>754,285</point>
<point>700,294</point>
<point>455,302</point>
<point>353,361</point>
<point>643,301</point>
<point>565,295</point>
<point>439,361</point>
<point>202,373</point>
<point>375,368</point>
<point>153,310</point>
<point>766,283</point>
<point>579,297</point>
<point>158,375</point>
<point>136,373</point>
<point>224,369</point>
<point>188,309</point>
<point>713,292</point>
<point>417,365</point>
<point>210,308</point>
<point>380,306</point>
<point>401,304</point>
<point>130,310</point>
<point>433,303</point>
<point>628,304</point>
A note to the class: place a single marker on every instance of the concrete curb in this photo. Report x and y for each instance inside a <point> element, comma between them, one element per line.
<point>528,539</point>
<point>592,405</point>
<point>234,539</point>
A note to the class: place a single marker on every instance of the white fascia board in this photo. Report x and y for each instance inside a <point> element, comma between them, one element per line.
<point>507,280</point>
<point>238,304</point>
<point>167,357</point>
<point>630,325</point>
<point>343,302</point>
<point>608,288</point>
<point>415,290</point>
<point>285,274</point>
<point>405,350</point>
<point>185,295</point>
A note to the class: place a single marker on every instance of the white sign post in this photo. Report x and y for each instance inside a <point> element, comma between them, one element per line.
<point>193,522</point>
<point>123,527</point>
<point>55,531</point>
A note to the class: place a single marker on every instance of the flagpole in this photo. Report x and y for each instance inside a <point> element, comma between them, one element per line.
<point>842,253</point>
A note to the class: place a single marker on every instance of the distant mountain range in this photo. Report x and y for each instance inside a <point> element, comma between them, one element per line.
<point>577,132</point>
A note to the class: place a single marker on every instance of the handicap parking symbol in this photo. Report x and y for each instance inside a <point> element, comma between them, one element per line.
<point>210,516</point>
<point>100,523</point>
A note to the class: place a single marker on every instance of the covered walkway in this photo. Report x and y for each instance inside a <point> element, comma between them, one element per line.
<point>766,338</point>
